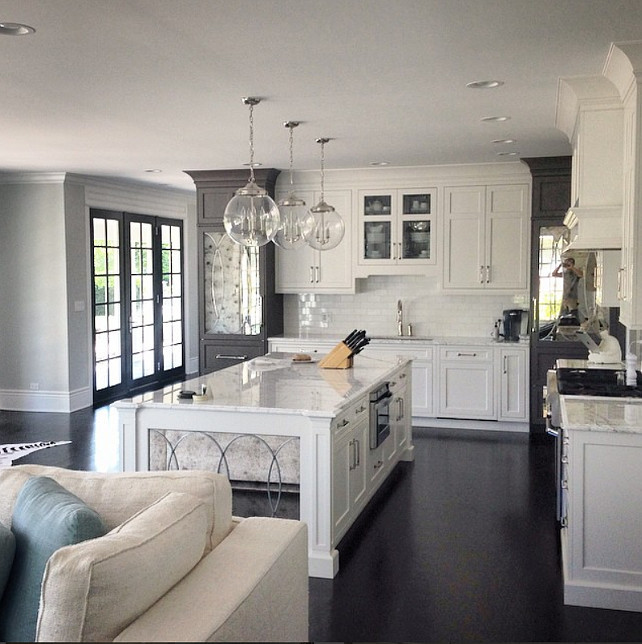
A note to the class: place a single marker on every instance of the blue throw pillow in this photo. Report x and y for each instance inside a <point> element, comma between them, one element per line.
<point>7,550</point>
<point>46,517</point>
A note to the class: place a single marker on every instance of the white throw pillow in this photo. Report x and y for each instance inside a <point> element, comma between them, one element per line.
<point>92,590</point>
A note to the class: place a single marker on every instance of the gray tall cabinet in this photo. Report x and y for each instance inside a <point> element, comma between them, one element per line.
<point>238,306</point>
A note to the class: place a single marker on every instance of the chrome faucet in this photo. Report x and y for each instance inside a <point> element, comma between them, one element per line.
<point>399,318</point>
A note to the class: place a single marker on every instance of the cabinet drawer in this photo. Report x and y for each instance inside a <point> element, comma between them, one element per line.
<point>466,354</point>
<point>303,346</point>
<point>349,417</point>
<point>402,348</point>
<point>219,355</point>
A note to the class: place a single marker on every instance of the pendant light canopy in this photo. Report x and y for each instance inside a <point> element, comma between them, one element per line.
<point>251,217</point>
<point>296,221</point>
<point>328,227</point>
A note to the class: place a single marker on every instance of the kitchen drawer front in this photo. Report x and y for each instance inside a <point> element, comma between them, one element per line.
<point>466,354</point>
<point>219,355</point>
<point>347,419</point>
<point>410,351</point>
<point>301,346</point>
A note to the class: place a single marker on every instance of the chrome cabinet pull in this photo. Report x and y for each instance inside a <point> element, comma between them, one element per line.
<point>358,451</point>
<point>343,423</point>
<point>352,459</point>
<point>488,274</point>
<point>317,273</point>
<point>223,356</point>
<point>481,274</point>
<point>505,364</point>
<point>361,409</point>
<point>311,274</point>
<point>463,354</point>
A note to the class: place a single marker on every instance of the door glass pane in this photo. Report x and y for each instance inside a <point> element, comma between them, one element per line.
<point>416,239</point>
<point>232,288</point>
<point>377,240</point>
<point>416,204</point>
<point>552,242</point>
<point>106,313</point>
<point>377,204</point>
<point>171,276</point>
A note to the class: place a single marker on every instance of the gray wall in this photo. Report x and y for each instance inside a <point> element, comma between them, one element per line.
<point>45,290</point>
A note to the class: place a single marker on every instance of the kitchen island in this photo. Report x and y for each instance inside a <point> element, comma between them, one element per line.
<point>601,532</point>
<point>327,411</point>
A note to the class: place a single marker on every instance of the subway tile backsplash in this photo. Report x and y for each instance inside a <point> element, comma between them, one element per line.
<point>430,310</point>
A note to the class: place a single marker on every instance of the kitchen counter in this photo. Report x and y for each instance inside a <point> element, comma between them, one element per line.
<point>323,416</point>
<point>593,413</point>
<point>433,340</point>
<point>274,383</point>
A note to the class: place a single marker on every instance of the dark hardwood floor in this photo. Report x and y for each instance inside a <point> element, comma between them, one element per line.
<point>461,545</point>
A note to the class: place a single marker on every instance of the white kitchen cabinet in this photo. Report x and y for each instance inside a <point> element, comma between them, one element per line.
<point>396,231</point>
<point>602,543</point>
<point>307,270</point>
<point>466,382</point>
<point>512,375</point>
<point>423,367</point>
<point>349,486</point>
<point>486,233</point>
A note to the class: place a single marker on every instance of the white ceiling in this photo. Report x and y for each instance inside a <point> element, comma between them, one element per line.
<point>117,87</point>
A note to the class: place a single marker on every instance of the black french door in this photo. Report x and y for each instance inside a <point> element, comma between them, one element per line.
<point>137,303</point>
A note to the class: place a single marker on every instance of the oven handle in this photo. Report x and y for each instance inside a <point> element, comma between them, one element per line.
<point>550,429</point>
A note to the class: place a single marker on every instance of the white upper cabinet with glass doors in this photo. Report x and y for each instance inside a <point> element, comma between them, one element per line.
<point>397,232</point>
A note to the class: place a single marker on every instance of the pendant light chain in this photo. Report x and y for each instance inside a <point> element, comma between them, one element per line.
<point>252,142</point>
<point>322,141</point>
<point>291,128</point>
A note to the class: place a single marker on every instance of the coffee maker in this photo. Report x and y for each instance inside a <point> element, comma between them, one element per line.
<point>512,324</point>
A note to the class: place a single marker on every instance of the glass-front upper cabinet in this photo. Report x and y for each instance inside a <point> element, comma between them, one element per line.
<point>397,227</point>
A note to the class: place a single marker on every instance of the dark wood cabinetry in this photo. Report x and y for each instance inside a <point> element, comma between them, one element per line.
<point>238,306</point>
<point>551,199</point>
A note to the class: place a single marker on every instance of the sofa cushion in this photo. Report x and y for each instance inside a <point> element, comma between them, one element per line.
<point>7,550</point>
<point>103,585</point>
<point>117,496</point>
<point>46,517</point>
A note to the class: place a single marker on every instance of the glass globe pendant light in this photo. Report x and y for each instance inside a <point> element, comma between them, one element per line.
<point>328,228</point>
<point>251,217</point>
<point>296,221</point>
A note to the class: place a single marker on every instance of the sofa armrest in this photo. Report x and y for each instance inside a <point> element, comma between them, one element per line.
<point>252,587</point>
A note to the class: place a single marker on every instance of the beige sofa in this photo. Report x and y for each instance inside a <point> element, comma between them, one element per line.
<point>175,566</point>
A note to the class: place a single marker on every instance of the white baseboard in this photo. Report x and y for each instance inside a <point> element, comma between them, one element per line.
<point>52,401</point>
<point>461,423</point>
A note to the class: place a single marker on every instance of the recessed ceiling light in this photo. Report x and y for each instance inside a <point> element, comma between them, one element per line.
<point>495,119</point>
<point>485,84</point>
<point>15,29</point>
<point>379,163</point>
<point>504,141</point>
<point>507,154</point>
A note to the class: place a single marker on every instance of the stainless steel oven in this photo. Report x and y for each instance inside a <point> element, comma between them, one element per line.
<point>554,428</point>
<point>380,414</point>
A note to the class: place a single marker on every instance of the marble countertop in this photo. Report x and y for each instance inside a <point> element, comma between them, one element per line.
<point>274,383</point>
<point>433,340</point>
<point>594,413</point>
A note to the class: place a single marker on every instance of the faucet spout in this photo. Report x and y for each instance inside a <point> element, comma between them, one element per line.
<point>399,318</point>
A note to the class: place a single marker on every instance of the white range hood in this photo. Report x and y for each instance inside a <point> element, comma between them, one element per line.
<point>590,113</point>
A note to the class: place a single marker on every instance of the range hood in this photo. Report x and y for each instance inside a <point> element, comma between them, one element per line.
<point>590,113</point>
<point>598,228</point>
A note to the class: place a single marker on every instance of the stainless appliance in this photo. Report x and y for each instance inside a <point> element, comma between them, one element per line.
<point>512,324</point>
<point>380,414</point>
